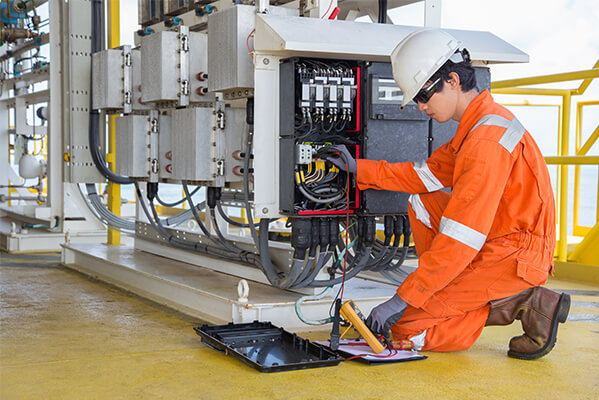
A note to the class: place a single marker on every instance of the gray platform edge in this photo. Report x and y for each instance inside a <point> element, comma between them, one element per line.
<point>218,303</point>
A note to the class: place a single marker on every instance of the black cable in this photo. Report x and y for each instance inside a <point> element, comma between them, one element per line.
<point>225,243</point>
<point>194,211</point>
<point>176,203</point>
<point>224,216</point>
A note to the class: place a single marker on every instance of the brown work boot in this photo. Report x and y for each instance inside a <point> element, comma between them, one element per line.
<point>540,310</point>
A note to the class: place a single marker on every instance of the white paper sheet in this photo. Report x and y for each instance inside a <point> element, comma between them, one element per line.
<point>352,347</point>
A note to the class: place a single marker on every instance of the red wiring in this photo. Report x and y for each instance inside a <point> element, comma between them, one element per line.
<point>392,354</point>
<point>327,11</point>
<point>247,43</point>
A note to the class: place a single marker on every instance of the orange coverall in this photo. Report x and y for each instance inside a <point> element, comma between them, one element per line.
<point>492,237</point>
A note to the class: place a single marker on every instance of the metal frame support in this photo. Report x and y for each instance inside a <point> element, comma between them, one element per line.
<point>432,13</point>
<point>55,123</point>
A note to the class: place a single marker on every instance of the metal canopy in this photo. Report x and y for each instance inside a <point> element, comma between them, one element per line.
<point>288,36</point>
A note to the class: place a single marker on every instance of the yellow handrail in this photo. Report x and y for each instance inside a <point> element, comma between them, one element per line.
<point>563,159</point>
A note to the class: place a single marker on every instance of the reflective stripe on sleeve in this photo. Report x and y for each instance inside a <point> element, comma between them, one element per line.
<point>512,134</point>
<point>427,177</point>
<point>462,233</point>
<point>421,214</point>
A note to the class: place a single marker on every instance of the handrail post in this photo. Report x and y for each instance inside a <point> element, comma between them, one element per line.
<point>577,167</point>
<point>562,253</point>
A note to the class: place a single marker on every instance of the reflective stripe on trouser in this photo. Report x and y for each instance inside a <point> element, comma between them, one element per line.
<point>447,328</point>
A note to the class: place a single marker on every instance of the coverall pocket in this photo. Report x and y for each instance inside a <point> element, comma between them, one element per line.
<point>534,274</point>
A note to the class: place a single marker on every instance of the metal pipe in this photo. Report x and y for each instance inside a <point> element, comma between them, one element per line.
<point>8,34</point>
<point>4,198</point>
<point>572,160</point>
<point>532,91</point>
<point>28,45</point>
<point>585,84</point>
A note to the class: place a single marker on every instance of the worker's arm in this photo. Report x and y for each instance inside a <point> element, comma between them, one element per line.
<point>420,177</point>
<point>483,167</point>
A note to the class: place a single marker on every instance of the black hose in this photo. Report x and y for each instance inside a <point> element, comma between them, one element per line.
<point>267,266</point>
<point>224,215</point>
<point>358,266</point>
<point>382,11</point>
<point>176,203</point>
<point>225,243</point>
<point>194,211</point>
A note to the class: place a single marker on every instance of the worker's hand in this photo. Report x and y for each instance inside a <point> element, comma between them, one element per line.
<point>385,315</point>
<point>339,156</point>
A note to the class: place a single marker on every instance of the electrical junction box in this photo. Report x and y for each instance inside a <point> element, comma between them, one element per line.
<point>320,104</point>
<point>198,145</point>
<point>230,66</point>
<point>117,80</point>
<point>109,91</point>
<point>206,142</point>
<point>174,66</point>
<point>132,143</point>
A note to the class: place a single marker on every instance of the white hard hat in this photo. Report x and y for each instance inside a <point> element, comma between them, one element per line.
<point>418,56</point>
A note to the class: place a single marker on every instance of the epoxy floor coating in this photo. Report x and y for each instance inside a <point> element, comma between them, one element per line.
<point>63,336</point>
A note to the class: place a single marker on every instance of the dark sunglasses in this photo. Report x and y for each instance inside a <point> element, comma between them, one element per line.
<point>425,94</point>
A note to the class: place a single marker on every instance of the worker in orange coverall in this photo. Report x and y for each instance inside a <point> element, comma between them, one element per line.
<point>485,249</point>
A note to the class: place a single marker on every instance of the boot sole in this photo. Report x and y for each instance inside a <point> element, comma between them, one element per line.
<point>560,316</point>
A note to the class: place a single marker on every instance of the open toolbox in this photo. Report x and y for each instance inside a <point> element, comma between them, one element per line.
<point>266,347</point>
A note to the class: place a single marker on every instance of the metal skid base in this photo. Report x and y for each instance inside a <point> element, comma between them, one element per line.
<point>209,295</point>
<point>40,240</point>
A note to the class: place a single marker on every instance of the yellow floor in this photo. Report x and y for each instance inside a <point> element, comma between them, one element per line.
<point>63,336</point>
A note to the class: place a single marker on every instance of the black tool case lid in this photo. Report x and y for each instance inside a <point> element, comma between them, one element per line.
<point>266,347</point>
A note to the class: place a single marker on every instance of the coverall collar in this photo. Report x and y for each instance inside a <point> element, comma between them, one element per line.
<point>470,117</point>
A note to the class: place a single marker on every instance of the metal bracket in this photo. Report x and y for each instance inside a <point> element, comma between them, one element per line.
<point>220,119</point>
<point>154,165</point>
<point>183,66</point>
<point>127,78</point>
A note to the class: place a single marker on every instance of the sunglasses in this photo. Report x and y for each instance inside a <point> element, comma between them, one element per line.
<point>425,94</point>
